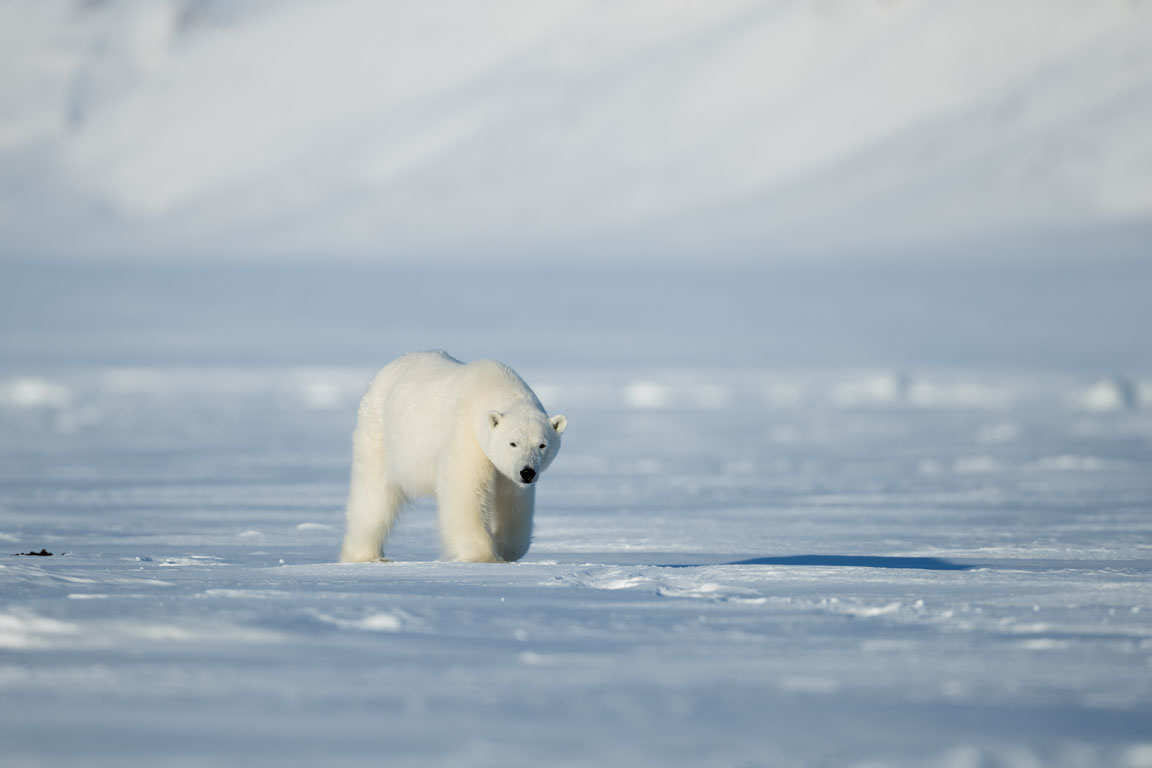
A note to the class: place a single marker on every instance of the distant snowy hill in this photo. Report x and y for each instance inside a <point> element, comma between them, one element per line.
<point>465,130</point>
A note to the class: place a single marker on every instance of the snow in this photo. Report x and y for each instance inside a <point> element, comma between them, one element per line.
<point>356,128</point>
<point>740,580</point>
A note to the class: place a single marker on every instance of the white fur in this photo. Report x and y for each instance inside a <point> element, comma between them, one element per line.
<point>430,425</point>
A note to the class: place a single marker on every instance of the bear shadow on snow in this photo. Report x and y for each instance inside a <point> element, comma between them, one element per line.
<point>844,561</point>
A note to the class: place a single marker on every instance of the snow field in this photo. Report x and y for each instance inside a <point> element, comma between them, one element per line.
<point>723,574</point>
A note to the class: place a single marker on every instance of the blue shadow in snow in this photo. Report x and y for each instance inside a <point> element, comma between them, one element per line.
<point>847,561</point>
<point>859,561</point>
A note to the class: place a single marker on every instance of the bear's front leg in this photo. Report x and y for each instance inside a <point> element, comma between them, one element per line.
<point>464,502</point>
<point>511,519</point>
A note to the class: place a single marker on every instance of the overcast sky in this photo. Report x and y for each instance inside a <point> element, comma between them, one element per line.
<point>649,129</point>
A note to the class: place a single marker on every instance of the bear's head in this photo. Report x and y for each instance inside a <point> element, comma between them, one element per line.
<point>521,441</point>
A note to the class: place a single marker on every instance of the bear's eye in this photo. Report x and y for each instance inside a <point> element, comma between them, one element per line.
<point>542,446</point>
<point>512,444</point>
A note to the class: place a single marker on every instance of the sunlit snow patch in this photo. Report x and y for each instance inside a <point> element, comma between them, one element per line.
<point>646,394</point>
<point>1069,464</point>
<point>34,393</point>
<point>372,622</point>
<point>971,465</point>
<point>20,630</point>
<point>1106,395</point>
<point>869,389</point>
<point>963,394</point>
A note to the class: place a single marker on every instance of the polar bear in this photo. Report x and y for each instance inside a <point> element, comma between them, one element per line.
<point>473,435</point>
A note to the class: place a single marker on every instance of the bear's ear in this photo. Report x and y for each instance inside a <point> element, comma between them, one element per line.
<point>494,418</point>
<point>559,423</point>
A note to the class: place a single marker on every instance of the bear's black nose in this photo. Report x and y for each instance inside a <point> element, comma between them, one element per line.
<point>527,474</point>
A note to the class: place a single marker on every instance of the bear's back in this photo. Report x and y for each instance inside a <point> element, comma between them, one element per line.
<point>494,385</point>
<point>417,380</point>
<point>431,362</point>
<point>434,381</point>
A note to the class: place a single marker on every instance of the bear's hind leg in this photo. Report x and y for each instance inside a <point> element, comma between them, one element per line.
<point>373,504</point>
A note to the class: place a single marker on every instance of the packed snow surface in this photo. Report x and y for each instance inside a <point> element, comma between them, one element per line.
<point>781,530</point>
<point>731,568</point>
